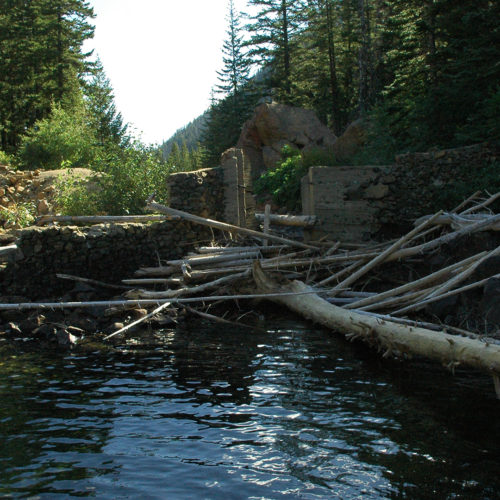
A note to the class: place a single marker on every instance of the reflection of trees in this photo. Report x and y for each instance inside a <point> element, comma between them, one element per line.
<point>48,412</point>
<point>215,363</point>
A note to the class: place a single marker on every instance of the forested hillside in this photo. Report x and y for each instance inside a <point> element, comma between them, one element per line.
<point>423,73</point>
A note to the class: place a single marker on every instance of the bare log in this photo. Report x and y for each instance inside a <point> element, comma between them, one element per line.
<point>200,260</point>
<point>219,250</point>
<point>288,220</point>
<point>101,219</point>
<point>139,321</point>
<point>92,282</point>
<point>428,300</point>
<point>27,306</point>
<point>457,221</point>
<point>9,249</point>
<point>187,290</point>
<point>156,207</point>
<point>393,338</point>
<point>479,206</point>
<point>385,254</point>
<point>431,278</point>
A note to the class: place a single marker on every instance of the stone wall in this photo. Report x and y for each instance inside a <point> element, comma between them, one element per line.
<point>223,193</point>
<point>356,203</point>
<point>200,192</point>
<point>104,252</point>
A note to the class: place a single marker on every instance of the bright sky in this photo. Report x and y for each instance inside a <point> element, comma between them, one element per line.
<point>161,57</point>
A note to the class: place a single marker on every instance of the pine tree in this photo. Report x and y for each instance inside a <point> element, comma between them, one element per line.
<point>106,121</point>
<point>273,30</point>
<point>236,70</point>
<point>226,115</point>
<point>42,60</point>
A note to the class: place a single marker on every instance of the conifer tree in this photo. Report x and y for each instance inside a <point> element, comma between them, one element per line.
<point>41,45</point>
<point>106,121</point>
<point>273,29</point>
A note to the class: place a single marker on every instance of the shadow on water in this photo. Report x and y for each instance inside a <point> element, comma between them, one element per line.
<point>293,413</point>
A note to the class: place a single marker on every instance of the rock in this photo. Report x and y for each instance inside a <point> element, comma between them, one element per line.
<point>351,141</point>
<point>66,339</point>
<point>377,191</point>
<point>43,207</point>
<point>273,125</point>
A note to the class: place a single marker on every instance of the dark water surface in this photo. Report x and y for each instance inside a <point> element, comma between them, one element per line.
<point>220,413</point>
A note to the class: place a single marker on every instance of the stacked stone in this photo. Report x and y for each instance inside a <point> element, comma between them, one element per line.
<point>419,178</point>
<point>200,192</point>
<point>105,252</point>
<point>18,187</point>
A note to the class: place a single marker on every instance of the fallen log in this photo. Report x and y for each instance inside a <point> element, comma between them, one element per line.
<point>156,207</point>
<point>101,219</point>
<point>27,306</point>
<point>393,338</point>
<point>289,220</point>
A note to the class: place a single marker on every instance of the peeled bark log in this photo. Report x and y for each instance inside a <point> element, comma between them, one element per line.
<point>288,220</point>
<point>391,337</point>
<point>156,207</point>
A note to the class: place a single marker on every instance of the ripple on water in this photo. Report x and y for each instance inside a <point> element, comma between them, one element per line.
<point>296,413</point>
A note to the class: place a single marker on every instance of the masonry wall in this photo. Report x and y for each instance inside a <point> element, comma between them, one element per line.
<point>104,252</point>
<point>200,192</point>
<point>357,203</point>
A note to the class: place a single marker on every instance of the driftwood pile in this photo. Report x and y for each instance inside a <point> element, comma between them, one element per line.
<point>327,282</point>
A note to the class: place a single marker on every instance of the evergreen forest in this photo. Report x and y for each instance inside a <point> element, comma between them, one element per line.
<point>422,73</point>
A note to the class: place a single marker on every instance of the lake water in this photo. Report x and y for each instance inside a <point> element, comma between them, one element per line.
<point>217,412</point>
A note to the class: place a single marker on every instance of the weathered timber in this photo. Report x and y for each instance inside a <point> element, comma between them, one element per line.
<point>288,220</point>
<point>139,321</point>
<point>385,254</point>
<point>428,299</point>
<point>457,221</point>
<point>101,219</point>
<point>27,306</point>
<point>156,207</point>
<point>431,278</point>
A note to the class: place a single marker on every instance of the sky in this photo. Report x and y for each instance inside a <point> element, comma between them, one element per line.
<point>161,57</point>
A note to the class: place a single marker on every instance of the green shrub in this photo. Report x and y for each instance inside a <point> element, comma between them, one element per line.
<point>6,159</point>
<point>75,197</point>
<point>123,180</point>
<point>64,139</point>
<point>283,182</point>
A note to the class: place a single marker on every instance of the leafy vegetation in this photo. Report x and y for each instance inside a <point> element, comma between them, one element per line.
<point>283,182</point>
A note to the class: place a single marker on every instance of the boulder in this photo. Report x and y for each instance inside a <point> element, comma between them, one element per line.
<point>274,125</point>
<point>351,141</point>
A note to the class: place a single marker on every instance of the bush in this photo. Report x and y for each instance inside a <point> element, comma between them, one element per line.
<point>123,180</point>
<point>283,183</point>
<point>62,140</point>
<point>6,159</point>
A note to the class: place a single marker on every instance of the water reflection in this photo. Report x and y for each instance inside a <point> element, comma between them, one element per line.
<point>294,413</point>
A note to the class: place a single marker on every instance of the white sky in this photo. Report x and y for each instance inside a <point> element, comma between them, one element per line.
<point>161,57</point>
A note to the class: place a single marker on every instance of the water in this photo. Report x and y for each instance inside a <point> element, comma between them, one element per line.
<point>219,413</point>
